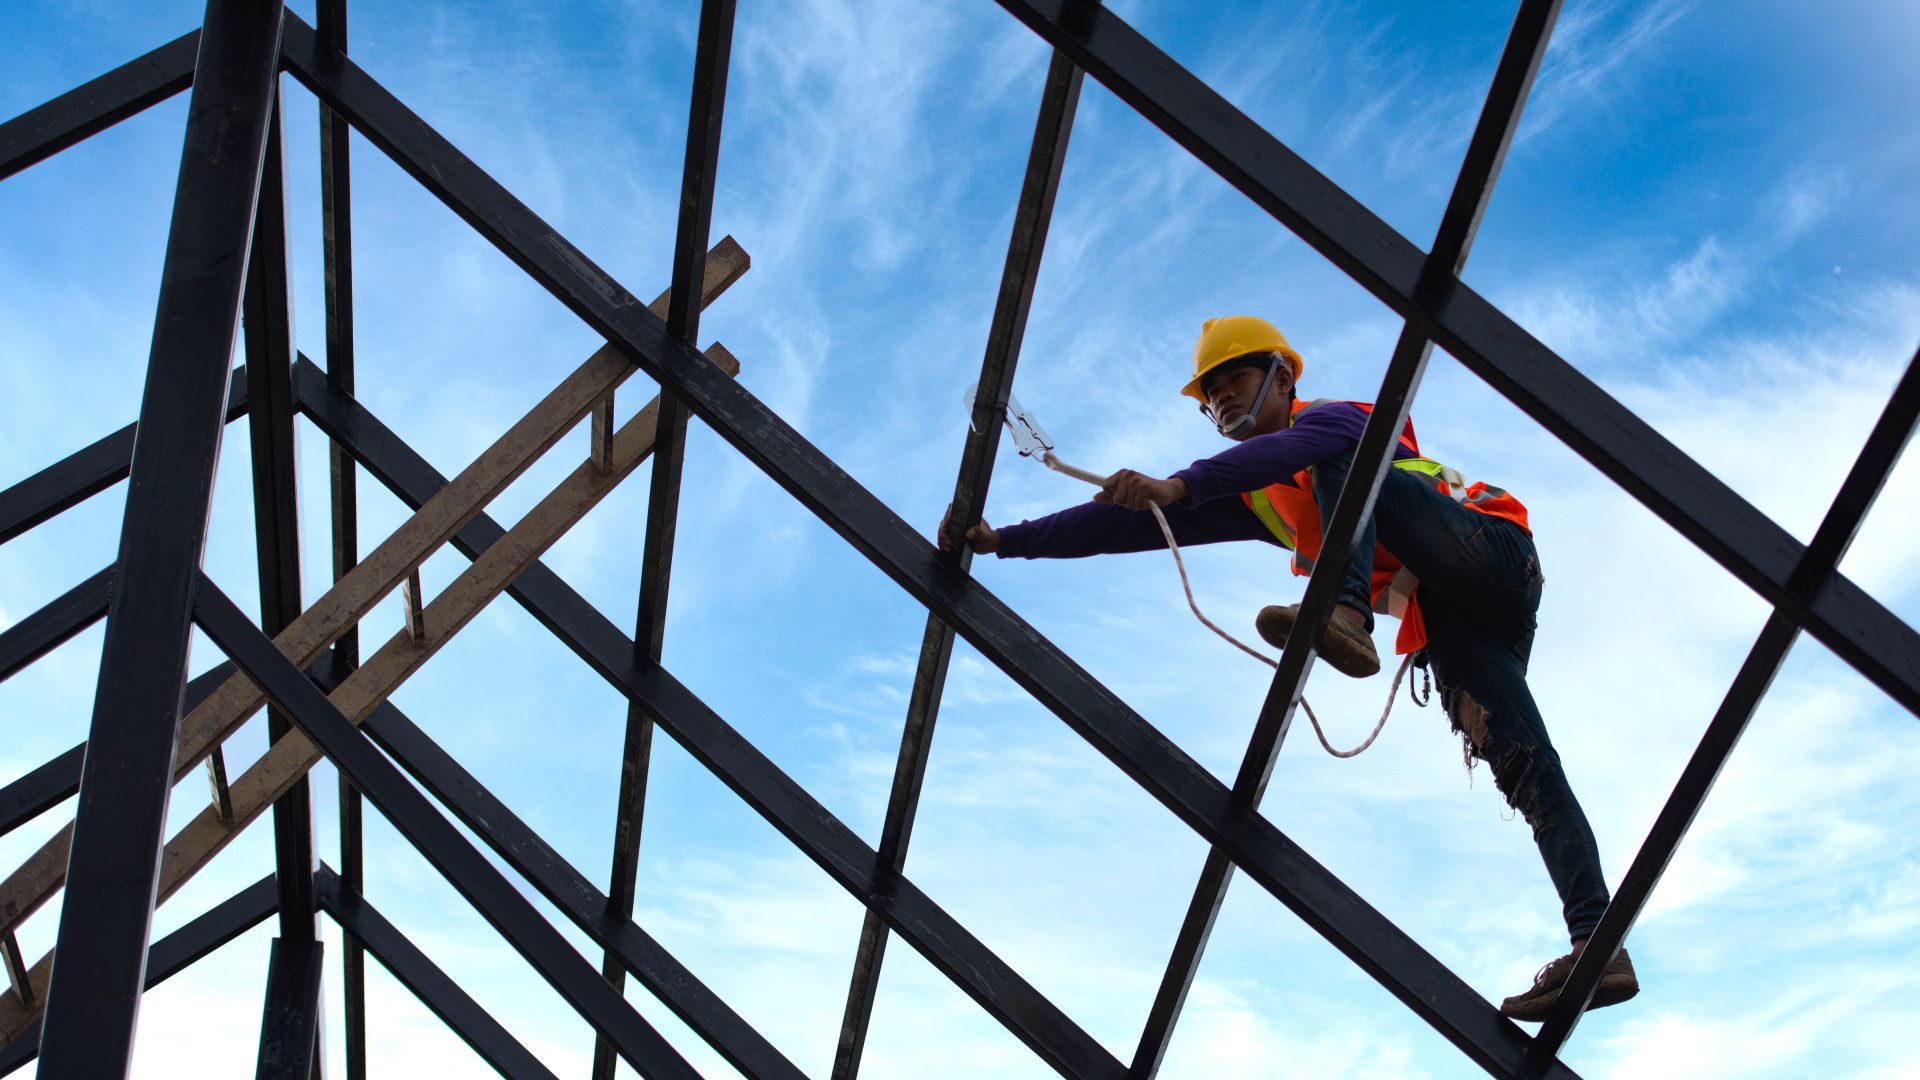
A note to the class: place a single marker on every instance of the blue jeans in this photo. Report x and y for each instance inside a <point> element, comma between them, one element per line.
<point>1479,589</point>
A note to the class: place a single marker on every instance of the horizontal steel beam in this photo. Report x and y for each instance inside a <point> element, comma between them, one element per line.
<point>43,131</point>
<point>442,996</point>
<point>468,871</point>
<point>85,473</point>
<point>1611,437</point>
<point>1381,949</point>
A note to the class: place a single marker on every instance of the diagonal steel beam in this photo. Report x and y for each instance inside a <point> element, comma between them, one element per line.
<point>354,595</point>
<point>1611,437</point>
<point>206,932</point>
<point>45,787</point>
<point>287,760</point>
<point>1033,213</point>
<point>567,889</point>
<point>1116,731</point>
<point>40,791</point>
<point>713,49</point>
<point>443,997</point>
<point>450,853</point>
<point>1884,445</point>
<point>57,622</point>
<point>85,473</point>
<point>94,996</point>
<point>88,109</point>
<point>596,640</point>
<point>1499,118</point>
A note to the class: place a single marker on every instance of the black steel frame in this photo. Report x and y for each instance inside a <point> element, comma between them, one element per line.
<point>227,251</point>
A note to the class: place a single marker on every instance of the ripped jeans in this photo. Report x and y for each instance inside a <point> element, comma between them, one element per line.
<point>1479,589</point>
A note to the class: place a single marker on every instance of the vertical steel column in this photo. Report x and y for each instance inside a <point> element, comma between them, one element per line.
<point>336,225</point>
<point>267,316</point>
<point>292,1011</point>
<point>289,1024</point>
<point>1878,456</point>
<point>93,1001</point>
<point>712,52</point>
<point>1499,118</point>
<point>1032,216</point>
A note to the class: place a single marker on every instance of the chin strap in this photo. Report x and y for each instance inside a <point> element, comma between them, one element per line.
<point>1240,427</point>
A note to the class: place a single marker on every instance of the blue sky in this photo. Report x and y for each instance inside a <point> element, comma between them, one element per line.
<point>1705,212</point>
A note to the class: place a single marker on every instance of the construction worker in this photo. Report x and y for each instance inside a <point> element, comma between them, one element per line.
<point>1454,562</point>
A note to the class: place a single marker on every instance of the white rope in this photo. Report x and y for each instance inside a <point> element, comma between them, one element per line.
<point>1180,564</point>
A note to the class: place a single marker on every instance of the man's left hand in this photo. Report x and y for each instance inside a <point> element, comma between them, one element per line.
<point>1135,490</point>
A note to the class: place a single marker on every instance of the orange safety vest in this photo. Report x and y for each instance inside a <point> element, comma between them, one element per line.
<point>1293,517</point>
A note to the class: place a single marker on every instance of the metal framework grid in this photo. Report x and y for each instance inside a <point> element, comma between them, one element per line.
<point>227,252</point>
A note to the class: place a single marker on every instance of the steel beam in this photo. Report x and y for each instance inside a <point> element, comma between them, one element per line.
<point>267,318</point>
<point>713,49</point>
<point>336,230</point>
<point>344,421</point>
<point>1110,726</point>
<point>45,787</point>
<point>95,106</point>
<point>1875,463</point>
<point>414,817</point>
<point>1626,449</point>
<point>290,1021</point>
<point>208,931</point>
<point>576,898</point>
<point>59,621</point>
<point>1499,118</point>
<point>581,627</point>
<point>349,599</point>
<point>362,923</point>
<point>94,998</point>
<point>40,790</point>
<point>85,473</point>
<point>1033,213</point>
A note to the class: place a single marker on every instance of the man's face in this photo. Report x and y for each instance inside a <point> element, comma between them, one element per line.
<point>1231,389</point>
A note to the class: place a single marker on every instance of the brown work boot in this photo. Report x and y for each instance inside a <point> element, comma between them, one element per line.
<point>1617,984</point>
<point>1351,652</point>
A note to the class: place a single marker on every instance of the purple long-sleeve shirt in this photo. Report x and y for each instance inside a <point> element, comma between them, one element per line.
<point>1212,511</point>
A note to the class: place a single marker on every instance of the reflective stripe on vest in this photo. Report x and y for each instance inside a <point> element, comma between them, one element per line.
<point>1262,506</point>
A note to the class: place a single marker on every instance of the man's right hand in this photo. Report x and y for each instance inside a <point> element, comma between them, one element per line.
<point>980,536</point>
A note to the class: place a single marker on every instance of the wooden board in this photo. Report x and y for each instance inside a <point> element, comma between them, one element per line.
<point>360,589</point>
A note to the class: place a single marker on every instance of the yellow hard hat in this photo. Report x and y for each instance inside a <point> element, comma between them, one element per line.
<point>1230,338</point>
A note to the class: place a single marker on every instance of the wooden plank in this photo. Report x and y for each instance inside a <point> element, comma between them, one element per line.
<point>356,593</point>
<point>370,684</point>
